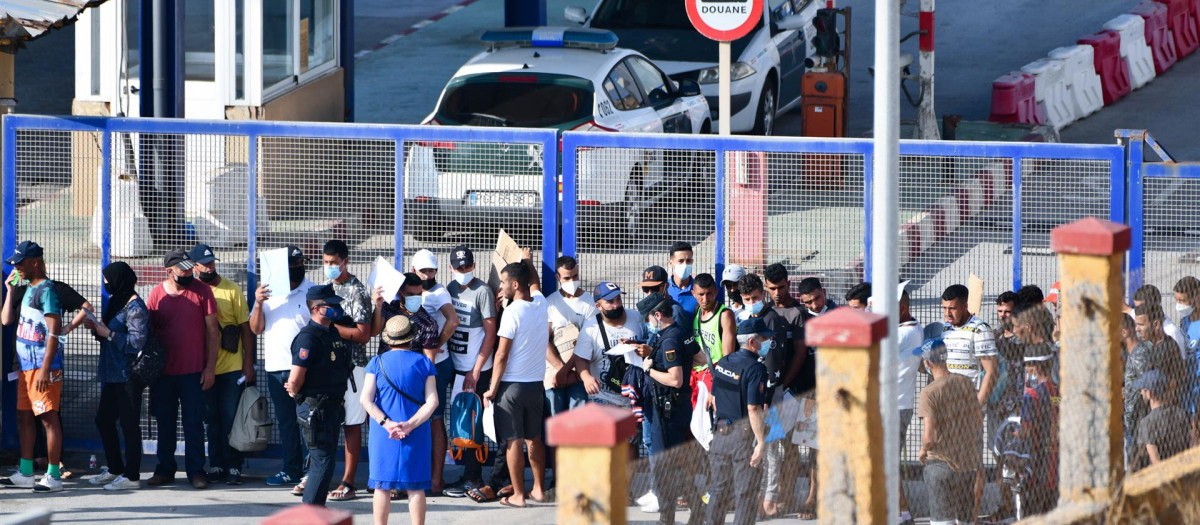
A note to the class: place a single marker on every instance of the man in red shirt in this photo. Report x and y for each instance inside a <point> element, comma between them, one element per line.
<point>183,313</point>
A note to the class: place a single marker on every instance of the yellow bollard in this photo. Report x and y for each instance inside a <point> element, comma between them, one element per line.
<point>1090,258</point>
<point>850,474</point>
<point>593,455</point>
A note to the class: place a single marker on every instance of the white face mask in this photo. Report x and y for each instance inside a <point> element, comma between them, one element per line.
<point>1184,309</point>
<point>463,278</point>
<point>682,271</point>
<point>569,287</point>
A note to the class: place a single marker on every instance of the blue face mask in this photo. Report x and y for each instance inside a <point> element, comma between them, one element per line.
<point>651,328</point>
<point>333,272</point>
<point>412,303</point>
<point>754,308</point>
<point>333,313</point>
<point>764,348</point>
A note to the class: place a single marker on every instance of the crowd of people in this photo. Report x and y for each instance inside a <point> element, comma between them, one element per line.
<point>733,348</point>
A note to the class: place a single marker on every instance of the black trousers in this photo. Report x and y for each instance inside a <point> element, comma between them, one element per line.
<point>732,481</point>
<point>321,432</point>
<point>121,405</point>
<point>673,475</point>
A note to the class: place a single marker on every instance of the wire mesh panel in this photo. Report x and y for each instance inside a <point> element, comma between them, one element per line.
<point>57,191</point>
<point>1055,192</point>
<point>1171,236</point>
<point>804,210</point>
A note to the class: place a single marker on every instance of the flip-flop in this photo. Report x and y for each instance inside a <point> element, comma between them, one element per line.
<point>482,494</point>
<point>504,501</point>
<point>506,490</point>
<point>547,497</point>
<point>344,492</point>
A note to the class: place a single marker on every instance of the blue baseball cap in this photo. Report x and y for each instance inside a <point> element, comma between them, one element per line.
<point>932,350</point>
<point>323,293</point>
<point>607,291</point>
<point>202,254</point>
<point>25,250</point>
<point>754,326</point>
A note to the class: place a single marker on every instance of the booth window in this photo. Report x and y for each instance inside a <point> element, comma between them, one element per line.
<point>199,40</point>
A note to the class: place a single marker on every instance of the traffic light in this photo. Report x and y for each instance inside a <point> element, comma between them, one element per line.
<point>826,42</point>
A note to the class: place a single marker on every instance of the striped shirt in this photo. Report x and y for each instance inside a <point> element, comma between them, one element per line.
<point>965,345</point>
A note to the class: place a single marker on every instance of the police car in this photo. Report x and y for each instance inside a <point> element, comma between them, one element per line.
<point>768,64</point>
<point>559,78</point>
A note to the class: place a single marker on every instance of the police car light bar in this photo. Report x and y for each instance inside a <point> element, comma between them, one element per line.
<point>581,38</point>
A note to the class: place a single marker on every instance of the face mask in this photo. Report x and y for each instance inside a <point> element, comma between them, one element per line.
<point>333,272</point>
<point>614,314</point>
<point>428,284</point>
<point>741,314</point>
<point>754,308</point>
<point>184,280</point>
<point>1184,309</point>
<point>653,328</point>
<point>1031,380</point>
<point>735,297</point>
<point>296,274</point>
<point>412,303</point>
<point>463,278</point>
<point>207,277</point>
<point>333,313</point>
<point>569,287</point>
<point>682,271</point>
<point>764,348</point>
<point>108,287</point>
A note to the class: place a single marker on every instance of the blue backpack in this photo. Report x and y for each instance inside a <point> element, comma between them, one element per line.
<point>466,426</point>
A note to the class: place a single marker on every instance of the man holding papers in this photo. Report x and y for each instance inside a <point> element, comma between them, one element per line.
<point>604,331</point>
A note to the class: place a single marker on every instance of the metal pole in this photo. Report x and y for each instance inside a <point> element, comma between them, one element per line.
<point>927,123</point>
<point>886,224</point>
<point>723,117</point>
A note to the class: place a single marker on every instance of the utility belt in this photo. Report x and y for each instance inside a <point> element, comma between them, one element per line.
<point>319,416</point>
<point>667,399</point>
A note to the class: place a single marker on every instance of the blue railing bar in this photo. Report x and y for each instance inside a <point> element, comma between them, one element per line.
<point>549,211</point>
<point>588,139</point>
<point>1158,149</point>
<point>570,195</point>
<point>1182,170</point>
<point>105,210</point>
<point>1017,242</point>
<point>398,217</point>
<point>868,215</point>
<point>719,218</point>
<point>252,222</point>
<point>1136,171</point>
<point>51,123</point>
<point>8,242</point>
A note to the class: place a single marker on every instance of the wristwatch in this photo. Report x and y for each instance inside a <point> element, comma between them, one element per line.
<point>383,421</point>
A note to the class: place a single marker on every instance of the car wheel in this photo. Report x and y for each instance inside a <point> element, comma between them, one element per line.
<point>635,207</point>
<point>764,121</point>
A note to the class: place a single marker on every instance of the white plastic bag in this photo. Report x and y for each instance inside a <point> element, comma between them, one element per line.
<point>701,422</point>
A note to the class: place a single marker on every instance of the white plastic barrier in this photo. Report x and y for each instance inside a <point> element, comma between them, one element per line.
<point>1134,48</point>
<point>1050,91</point>
<point>1083,84</point>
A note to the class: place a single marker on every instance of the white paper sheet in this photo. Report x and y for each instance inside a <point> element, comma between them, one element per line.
<point>489,422</point>
<point>630,353</point>
<point>273,265</point>
<point>384,275</point>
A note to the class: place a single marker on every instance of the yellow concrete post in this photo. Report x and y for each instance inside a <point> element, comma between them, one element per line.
<point>593,454</point>
<point>851,487</point>
<point>1090,258</point>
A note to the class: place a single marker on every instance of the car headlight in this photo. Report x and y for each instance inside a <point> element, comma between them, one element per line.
<point>737,70</point>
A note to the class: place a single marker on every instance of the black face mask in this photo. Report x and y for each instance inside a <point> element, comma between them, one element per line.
<point>108,287</point>
<point>735,297</point>
<point>184,280</point>
<point>615,313</point>
<point>207,277</point>
<point>428,284</point>
<point>296,274</point>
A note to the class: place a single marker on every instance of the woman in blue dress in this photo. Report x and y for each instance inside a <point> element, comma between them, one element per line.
<point>399,392</point>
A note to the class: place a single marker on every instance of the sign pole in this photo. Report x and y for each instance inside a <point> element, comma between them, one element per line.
<point>723,110</point>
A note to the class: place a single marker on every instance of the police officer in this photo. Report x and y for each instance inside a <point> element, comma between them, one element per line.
<point>320,367</point>
<point>666,364</point>
<point>739,391</point>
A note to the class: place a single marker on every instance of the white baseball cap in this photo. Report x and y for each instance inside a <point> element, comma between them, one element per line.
<point>424,260</point>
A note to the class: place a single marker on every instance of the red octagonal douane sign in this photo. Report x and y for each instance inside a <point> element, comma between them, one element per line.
<point>724,20</point>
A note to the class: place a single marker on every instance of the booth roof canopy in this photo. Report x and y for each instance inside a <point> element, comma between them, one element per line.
<point>24,20</point>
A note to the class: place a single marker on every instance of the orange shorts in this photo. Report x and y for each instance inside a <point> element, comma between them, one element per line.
<point>28,397</point>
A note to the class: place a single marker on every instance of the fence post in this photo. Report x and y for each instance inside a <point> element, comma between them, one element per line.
<point>1090,256</point>
<point>851,474</point>
<point>304,514</point>
<point>8,242</point>
<point>1135,193</point>
<point>252,220</point>
<point>594,442</point>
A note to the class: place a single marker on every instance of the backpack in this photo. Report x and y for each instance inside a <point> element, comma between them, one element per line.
<point>251,424</point>
<point>466,426</point>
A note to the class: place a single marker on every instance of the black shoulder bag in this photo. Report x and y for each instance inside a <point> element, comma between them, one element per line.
<point>616,364</point>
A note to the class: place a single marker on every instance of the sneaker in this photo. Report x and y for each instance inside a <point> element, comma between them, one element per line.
<point>123,483</point>
<point>48,484</point>
<point>460,489</point>
<point>103,478</point>
<point>647,498</point>
<point>215,475</point>
<point>17,481</point>
<point>281,479</point>
<point>234,477</point>
<point>651,504</point>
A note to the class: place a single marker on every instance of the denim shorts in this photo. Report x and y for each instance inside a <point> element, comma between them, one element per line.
<point>951,494</point>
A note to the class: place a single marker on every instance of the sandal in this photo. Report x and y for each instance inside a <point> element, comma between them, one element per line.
<point>506,491</point>
<point>504,501</point>
<point>482,494</point>
<point>344,492</point>
<point>298,490</point>
<point>807,512</point>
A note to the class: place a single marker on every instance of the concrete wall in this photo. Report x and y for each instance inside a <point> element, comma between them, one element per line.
<point>321,100</point>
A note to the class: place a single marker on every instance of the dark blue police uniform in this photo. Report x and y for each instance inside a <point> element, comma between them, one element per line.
<point>739,380</point>
<point>319,406</point>
<point>671,417</point>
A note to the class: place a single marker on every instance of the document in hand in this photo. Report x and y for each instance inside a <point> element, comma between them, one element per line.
<point>273,266</point>
<point>384,275</point>
<point>630,353</point>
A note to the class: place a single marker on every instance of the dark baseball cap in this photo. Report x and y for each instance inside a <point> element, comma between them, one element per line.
<point>202,254</point>
<point>177,258</point>
<point>461,256</point>
<point>653,276</point>
<point>754,326</point>
<point>607,291</point>
<point>25,250</point>
<point>295,255</point>
<point>650,302</point>
<point>323,293</point>
<point>1152,380</point>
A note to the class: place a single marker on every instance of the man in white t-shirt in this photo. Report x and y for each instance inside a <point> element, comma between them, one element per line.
<point>471,346</point>
<point>278,315</point>
<point>601,332</point>
<point>436,302</point>
<point>909,337</point>
<point>568,306</point>
<point>517,373</point>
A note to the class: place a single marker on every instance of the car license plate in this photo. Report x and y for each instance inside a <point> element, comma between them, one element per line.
<point>496,199</point>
